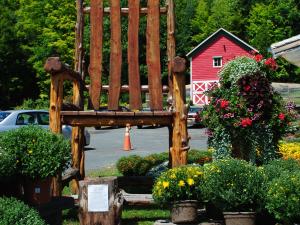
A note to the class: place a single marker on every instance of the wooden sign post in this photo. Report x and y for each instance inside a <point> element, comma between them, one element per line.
<point>100,201</point>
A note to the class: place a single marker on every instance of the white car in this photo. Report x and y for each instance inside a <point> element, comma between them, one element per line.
<point>13,119</point>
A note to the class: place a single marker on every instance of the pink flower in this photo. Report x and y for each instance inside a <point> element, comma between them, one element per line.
<point>258,57</point>
<point>281,116</point>
<point>246,122</point>
<point>271,63</point>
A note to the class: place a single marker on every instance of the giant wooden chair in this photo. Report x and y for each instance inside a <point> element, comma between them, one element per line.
<point>175,118</point>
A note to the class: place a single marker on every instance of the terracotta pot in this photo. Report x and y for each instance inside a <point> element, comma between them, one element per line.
<point>238,218</point>
<point>184,211</point>
<point>37,191</point>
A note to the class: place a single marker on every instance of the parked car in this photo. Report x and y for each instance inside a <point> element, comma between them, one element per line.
<point>104,109</point>
<point>13,119</point>
<point>194,116</point>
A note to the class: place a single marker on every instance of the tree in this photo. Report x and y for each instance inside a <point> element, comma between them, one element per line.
<point>273,21</point>
<point>17,79</point>
<point>46,29</point>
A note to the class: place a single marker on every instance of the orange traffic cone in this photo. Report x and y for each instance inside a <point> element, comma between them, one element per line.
<point>127,143</point>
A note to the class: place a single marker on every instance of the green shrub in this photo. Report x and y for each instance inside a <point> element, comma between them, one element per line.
<point>199,157</point>
<point>274,168</point>
<point>34,104</point>
<point>233,185</point>
<point>180,183</point>
<point>133,165</point>
<point>8,160</point>
<point>283,197</point>
<point>13,211</point>
<point>157,158</point>
<point>39,152</point>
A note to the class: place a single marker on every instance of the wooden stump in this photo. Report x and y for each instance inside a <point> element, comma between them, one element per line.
<point>105,206</point>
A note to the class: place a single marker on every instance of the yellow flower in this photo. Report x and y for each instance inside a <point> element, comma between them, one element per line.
<point>165,184</point>
<point>29,151</point>
<point>173,176</point>
<point>190,181</point>
<point>181,183</point>
<point>199,173</point>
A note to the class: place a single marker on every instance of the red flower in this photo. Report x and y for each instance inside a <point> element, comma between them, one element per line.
<point>224,104</point>
<point>247,88</point>
<point>246,122</point>
<point>281,116</point>
<point>271,63</point>
<point>258,57</point>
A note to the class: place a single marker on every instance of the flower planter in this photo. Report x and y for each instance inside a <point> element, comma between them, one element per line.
<point>184,211</point>
<point>37,192</point>
<point>238,218</point>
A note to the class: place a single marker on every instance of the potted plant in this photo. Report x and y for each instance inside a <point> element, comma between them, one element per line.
<point>282,197</point>
<point>41,155</point>
<point>180,188</point>
<point>234,187</point>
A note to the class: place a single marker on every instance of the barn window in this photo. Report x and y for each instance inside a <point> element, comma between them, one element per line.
<point>217,61</point>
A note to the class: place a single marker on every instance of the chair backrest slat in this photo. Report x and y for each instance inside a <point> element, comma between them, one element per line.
<point>115,56</point>
<point>135,101</point>
<point>96,43</point>
<point>153,55</point>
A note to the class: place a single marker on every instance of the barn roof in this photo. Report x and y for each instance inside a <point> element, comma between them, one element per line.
<point>217,34</point>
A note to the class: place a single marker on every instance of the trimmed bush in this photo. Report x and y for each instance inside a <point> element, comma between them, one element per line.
<point>39,153</point>
<point>283,197</point>
<point>276,167</point>
<point>8,159</point>
<point>233,185</point>
<point>133,165</point>
<point>13,211</point>
<point>138,166</point>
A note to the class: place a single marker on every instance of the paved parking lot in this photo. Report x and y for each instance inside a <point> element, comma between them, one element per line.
<point>107,143</point>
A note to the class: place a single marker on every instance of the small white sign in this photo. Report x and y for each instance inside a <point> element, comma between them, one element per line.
<point>98,198</point>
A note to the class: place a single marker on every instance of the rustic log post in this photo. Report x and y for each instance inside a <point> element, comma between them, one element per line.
<point>180,135</point>
<point>170,42</point>
<point>78,132</point>
<point>56,99</point>
<point>102,193</point>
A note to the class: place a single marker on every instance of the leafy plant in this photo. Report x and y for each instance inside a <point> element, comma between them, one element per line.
<point>232,185</point>
<point>181,183</point>
<point>39,152</point>
<point>13,211</point>
<point>8,160</point>
<point>276,167</point>
<point>133,165</point>
<point>283,197</point>
<point>245,114</point>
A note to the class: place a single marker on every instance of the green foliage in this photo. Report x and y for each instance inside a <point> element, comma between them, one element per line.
<point>181,183</point>
<point>8,160</point>
<point>46,29</point>
<point>276,167</point>
<point>13,211</point>
<point>283,197</point>
<point>137,165</point>
<point>245,115</point>
<point>39,152</point>
<point>233,185</point>
<point>133,165</point>
<point>34,104</point>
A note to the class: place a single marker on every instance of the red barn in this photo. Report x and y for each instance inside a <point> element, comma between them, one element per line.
<point>208,58</point>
